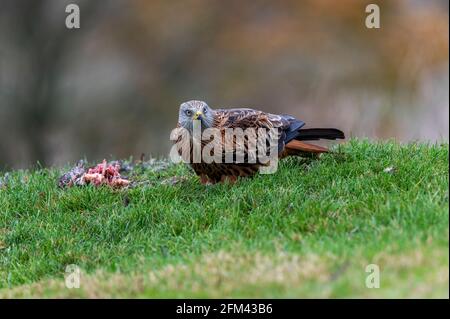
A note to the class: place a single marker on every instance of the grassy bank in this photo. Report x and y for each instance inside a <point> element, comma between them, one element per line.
<point>309,230</point>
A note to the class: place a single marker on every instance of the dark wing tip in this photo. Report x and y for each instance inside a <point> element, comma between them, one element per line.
<point>319,133</point>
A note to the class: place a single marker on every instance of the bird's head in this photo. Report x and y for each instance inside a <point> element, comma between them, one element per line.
<point>195,110</point>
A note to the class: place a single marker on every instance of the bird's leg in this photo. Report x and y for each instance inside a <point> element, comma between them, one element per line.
<point>228,178</point>
<point>205,180</point>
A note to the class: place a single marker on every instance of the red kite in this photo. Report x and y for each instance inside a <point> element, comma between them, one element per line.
<point>290,138</point>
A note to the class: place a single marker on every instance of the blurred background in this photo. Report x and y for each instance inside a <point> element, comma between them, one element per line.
<point>113,87</point>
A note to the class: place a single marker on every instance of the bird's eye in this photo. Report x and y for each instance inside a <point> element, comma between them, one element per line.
<point>188,112</point>
<point>205,110</point>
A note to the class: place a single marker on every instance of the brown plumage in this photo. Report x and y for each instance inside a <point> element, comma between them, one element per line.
<point>290,141</point>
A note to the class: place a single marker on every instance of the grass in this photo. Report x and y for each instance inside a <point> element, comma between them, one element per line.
<point>309,230</point>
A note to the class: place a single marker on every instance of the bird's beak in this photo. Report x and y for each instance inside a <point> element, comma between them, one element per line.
<point>198,115</point>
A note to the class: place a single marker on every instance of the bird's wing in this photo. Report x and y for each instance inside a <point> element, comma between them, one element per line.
<point>248,118</point>
<point>244,118</point>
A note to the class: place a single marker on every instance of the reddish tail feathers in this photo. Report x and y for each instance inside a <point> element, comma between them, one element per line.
<point>295,147</point>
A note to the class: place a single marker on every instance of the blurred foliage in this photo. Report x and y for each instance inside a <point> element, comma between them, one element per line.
<point>113,87</point>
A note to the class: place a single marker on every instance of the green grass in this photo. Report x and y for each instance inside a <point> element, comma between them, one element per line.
<point>307,231</point>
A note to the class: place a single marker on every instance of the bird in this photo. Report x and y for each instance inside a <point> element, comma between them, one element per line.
<point>290,138</point>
